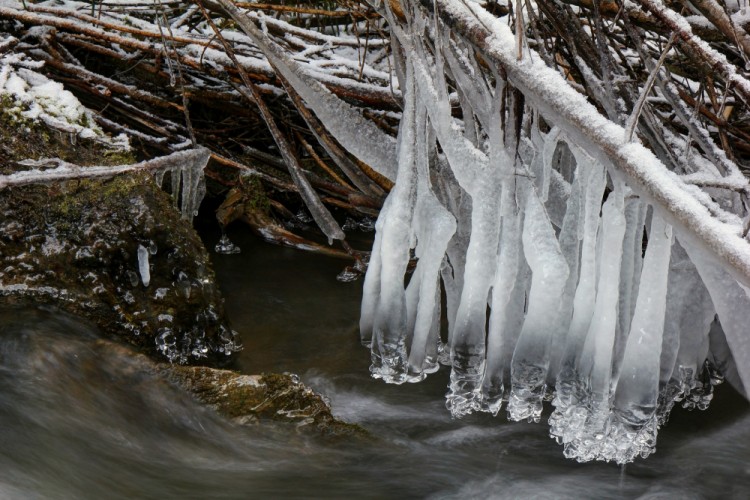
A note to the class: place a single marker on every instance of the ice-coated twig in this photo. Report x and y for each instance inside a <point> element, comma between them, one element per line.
<point>68,171</point>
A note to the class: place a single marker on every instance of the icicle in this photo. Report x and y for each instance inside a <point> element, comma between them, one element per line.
<point>633,424</point>
<point>159,176</point>
<point>571,248</point>
<point>371,288</point>
<point>598,348</point>
<point>468,334</point>
<point>580,420</point>
<point>143,266</point>
<point>506,316</point>
<point>549,274</point>
<point>630,271</point>
<point>467,349</point>
<point>175,174</point>
<point>476,92</point>
<point>189,185</point>
<point>434,226</point>
<point>465,159</point>
<point>389,327</point>
<point>546,150</point>
<point>689,315</point>
<point>585,294</point>
<point>454,264</point>
<point>732,304</point>
<point>193,183</point>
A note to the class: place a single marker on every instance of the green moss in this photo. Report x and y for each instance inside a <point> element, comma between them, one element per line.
<point>256,200</point>
<point>75,245</point>
<point>119,157</point>
<point>271,396</point>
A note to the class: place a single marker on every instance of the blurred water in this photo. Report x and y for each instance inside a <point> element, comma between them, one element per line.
<point>80,419</point>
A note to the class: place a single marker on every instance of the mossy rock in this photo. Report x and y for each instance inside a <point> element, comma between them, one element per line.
<point>75,245</point>
<point>250,398</point>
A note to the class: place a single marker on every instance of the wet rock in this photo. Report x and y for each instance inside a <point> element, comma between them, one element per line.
<point>114,251</point>
<point>249,398</point>
<point>244,399</point>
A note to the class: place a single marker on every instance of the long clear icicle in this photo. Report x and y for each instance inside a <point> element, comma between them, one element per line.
<point>468,334</point>
<point>579,422</point>
<point>585,295</point>
<point>630,271</point>
<point>633,424</point>
<point>389,324</point>
<point>434,226</point>
<point>504,324</point>
<point>549,274</point>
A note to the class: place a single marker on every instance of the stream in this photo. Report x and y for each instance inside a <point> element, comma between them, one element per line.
<point>80,421</point>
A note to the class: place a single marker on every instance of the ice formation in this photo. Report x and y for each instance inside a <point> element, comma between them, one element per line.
<point>558,255</point>
<point>565,260</point>
<point>143,265</point>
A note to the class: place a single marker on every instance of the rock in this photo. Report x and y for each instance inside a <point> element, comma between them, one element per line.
<point>244,399</point>
<point>82,247</point>
<point>76,245</point>
<point>248,398</point>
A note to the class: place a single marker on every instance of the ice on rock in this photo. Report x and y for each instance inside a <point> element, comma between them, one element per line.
<point>225,246</point>
<point>143,265</point>
<point>188,175</point>
<point>193,187</point>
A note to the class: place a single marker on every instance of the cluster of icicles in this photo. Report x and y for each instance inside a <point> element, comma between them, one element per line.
<point>557,280</point>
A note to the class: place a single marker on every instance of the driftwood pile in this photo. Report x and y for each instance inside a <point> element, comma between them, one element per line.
<point>174,74</point>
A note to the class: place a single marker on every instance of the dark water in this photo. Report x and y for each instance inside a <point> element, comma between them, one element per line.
<point>80,419</point>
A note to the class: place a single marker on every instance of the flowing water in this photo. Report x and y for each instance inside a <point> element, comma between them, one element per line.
<point>81,420</point>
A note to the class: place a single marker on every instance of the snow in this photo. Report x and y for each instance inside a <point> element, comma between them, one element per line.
<point>37,98</point>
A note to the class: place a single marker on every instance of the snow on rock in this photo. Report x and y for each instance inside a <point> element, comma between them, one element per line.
<point>33,96</point>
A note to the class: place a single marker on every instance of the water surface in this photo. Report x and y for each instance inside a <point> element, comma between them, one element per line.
<point>81,420</point>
